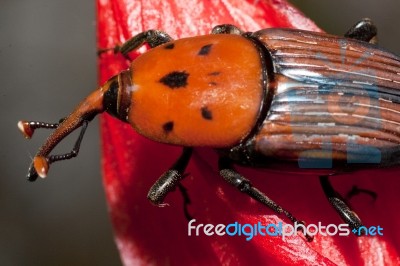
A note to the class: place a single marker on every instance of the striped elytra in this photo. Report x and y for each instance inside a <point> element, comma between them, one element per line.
<point>332,98</point>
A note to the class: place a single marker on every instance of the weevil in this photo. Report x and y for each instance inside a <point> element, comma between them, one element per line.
<point>288,96</point>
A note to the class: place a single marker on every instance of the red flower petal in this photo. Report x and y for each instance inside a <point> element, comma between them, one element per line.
<point>148,234</point>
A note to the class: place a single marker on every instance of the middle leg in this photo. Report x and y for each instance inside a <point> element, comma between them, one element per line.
<point>230,175</point>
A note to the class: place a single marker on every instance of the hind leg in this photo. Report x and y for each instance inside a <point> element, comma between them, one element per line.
<point>364,30</point>
<point>339,204</point>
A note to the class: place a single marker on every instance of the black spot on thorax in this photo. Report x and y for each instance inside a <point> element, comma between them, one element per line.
<point>205,50</point>
<point>168,126</point>
<point>206,113</point>
<point>175,79</point>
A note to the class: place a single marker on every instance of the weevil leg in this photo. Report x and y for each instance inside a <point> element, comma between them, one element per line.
<point>170,180</point>
<point>364,30</point>
<point>32,175</point>
<point>226,29</point>
<point>339,204</point>
<point>356,191</point>
<point>231,176</point>
<point>152,37</point>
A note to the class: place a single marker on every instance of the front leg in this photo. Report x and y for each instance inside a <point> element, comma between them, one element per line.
<point>153,38</point>
<point>170,180</point>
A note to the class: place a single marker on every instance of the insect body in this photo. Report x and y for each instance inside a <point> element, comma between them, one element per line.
<point>274,95</point>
